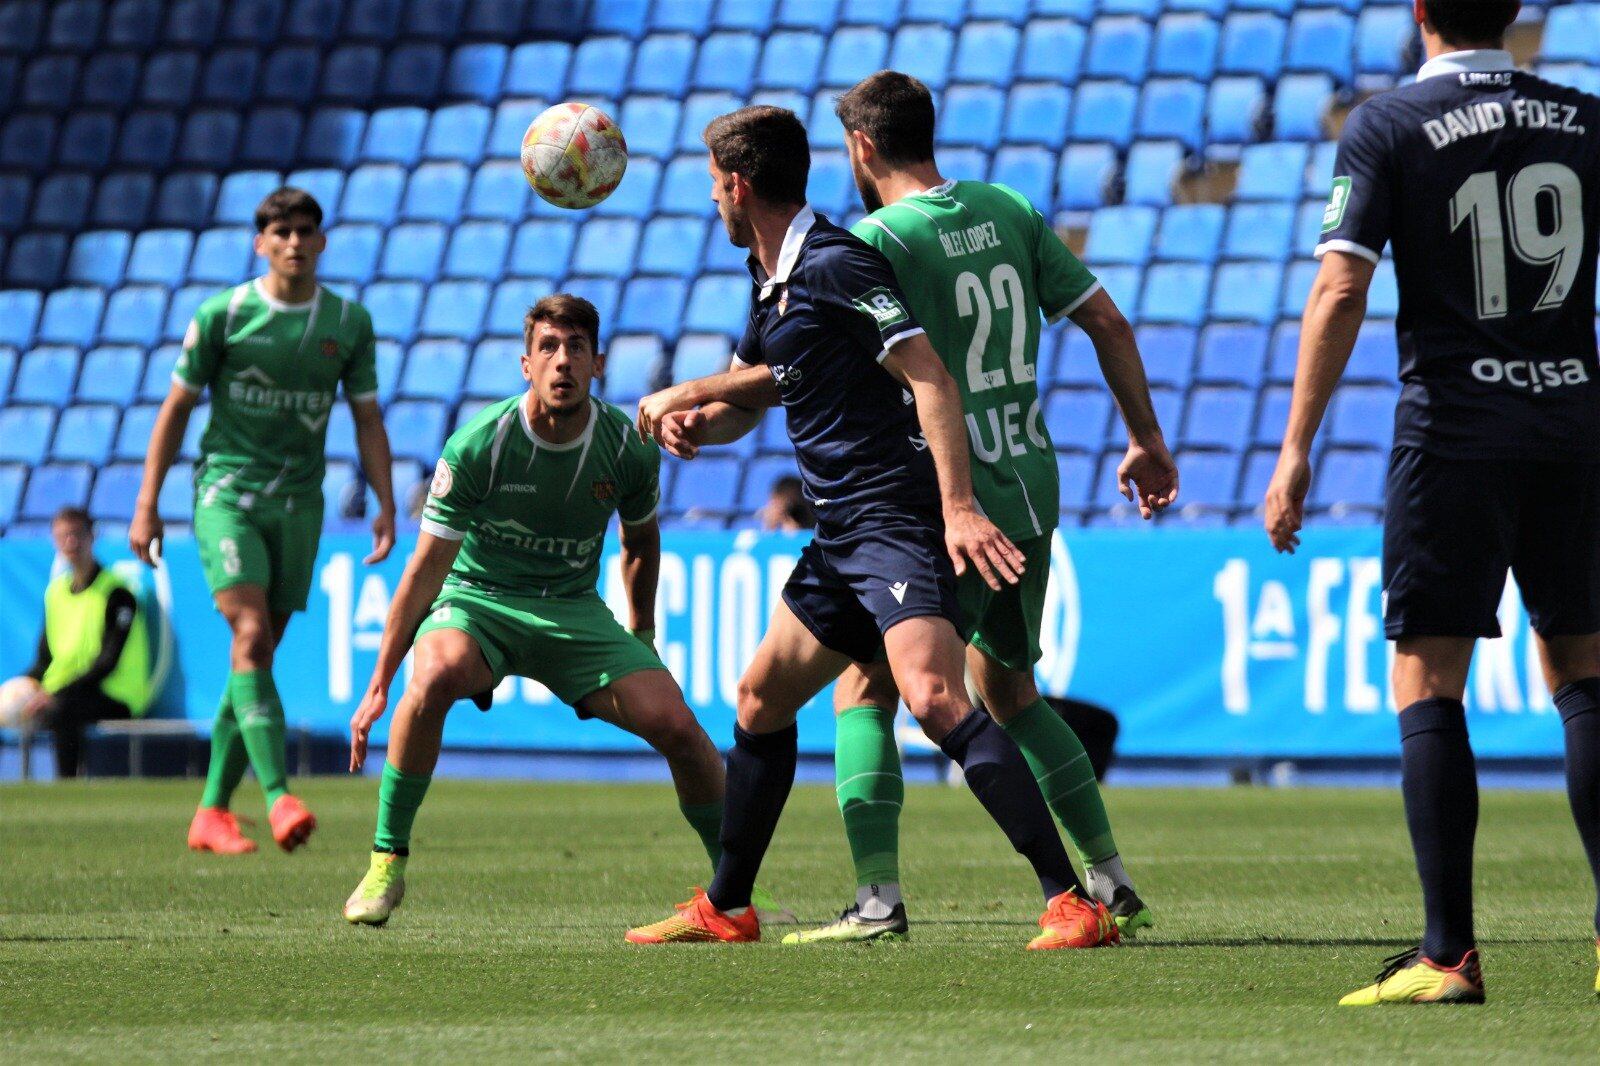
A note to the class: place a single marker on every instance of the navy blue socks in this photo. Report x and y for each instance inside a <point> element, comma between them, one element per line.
<point>1439,780</point>
<point>760,774</point>
<point>1579,704</point>
<point>999,776</point>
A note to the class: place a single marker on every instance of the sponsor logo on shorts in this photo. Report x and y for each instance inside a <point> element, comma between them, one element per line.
<point>1529,374</point>
<point>443,480</point>
<point>442,615</point>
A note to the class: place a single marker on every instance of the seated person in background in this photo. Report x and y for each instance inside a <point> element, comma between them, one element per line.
<point>93,660</point>
<point>787,510</point>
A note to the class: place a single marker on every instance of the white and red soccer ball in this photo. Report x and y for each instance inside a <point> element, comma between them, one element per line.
<point>574,155</point>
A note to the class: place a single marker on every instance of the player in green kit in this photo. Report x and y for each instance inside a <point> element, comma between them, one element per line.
<point>503,582</point>
<point>274,353</point>
<point>981,267</point>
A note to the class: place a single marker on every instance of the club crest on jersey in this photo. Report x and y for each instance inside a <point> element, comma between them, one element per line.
<point>603,490</point>
<point>330,348</point>
<point>443,480</point>
<point>783,300</point>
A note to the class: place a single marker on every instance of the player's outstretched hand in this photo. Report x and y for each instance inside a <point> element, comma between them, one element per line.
<point>144,536</point>
<point>1148,477</point>
<point>657,406</point>
<point>681,433</point>
<point>973,540</point>
<point>373,704</point>
<point>1285,504</point>
<point>382,537</point>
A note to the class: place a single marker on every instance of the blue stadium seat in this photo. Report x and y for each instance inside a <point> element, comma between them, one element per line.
<point>958,164</point>
<point>395,136</point>
<point>16,190</point>
<point>753,15</point>
<point>661,64</point>
<point>1376,354</point>
<point>1210,480</point>
<point>478,250</point>
<point>604,293</point>
<point>1350,482</point>
<point>176,502</point>
<point>1076,475</point>
<point>333,137</point>
<point>1119,47</point>
<point>413,73</point>
<point>180,312</point>
<point>8,364</point>
<point>241,193</point>
<point>606,247</point>
<point>222,256</point>
<point>1572,33</point>
<point>62,201</point>
<point>830,188</point>
<point>169,79</point>
<point>1085,171</point>
<point>390,359</point>
<point>190,448</point>
<point>853,53</point>
<point>1152,168</point>
<point>632,363</point>
<point>1253,43</point>
<point>28,142</point>
<point>1299,104</point>
<point>436,192</point>
<point>822,126</point>
<point>1232,354</point>
<point>1321,40</point>
<point>820,15</point>
<point>760,475</point>
<point>773,433</point>
<point>1383,295</point>
<point>53,487</point>
<point>698,110</point>
<point>1297,287</point>
<point>1121,234</point>
<point>372,194</point>
<point>712,491</point>
<point>498,191</point>
<point>37,260</point>
<point>434,19</point>
<point>653,305</point>
<point>924,52</point>
<point>1247,292</point>
<point>185,198</point>
<point>870,12</point>
<point>252,21</point>
<point>476,72</point>
<point>72,316</point>
<point>538,68</point>
<point>1259,231</point>
<point>434,370</point>
<point>1076,419</point>
<point>1147,9</point>
<point>511,120</point>
<point>87,138</point>
<point>25,433</point>
<point>1016,11</point>
<point>84,434</point>
<point>686,187</point>
<point>109,79</point>
<point>719,303</point>
<point>21,25</point>
<point>325,186</point>
<point>116,490</point>
<point>1173,108</point>
<point>727,62</point>
<point>1030,171</point>
<point>791,60</point>
<point>970,116</point>
<point>416,428</point>
<point>313,20</point>
<point>19,314</point>
<point>48,81</point>
<point>455,309</point>
<point>496,369</point>
<point>700,355</point>
<point>395,307</point>
<point>599,67</point>
<point>1271,171</point>
<point>987,52</point>
<point>134,314</point>
<point>74,24</point>
<point>413,251</point>
<point>1191,232</point>
<point>1186,44</point>
<point>291,75</point>
<point>45,375</point>
<point>1218,418</point>
<point>1052,50</point>
<point>271,137</point>
<point>350,74</point>
<point>1381,32</point>
<point>230,77</point>
<point>352,254</point>
<point>1037,114</point>
<point>1103,111</point>
<point>1308,227</point>
<point>1175,292</point>
<point>543,248</point>
<point>652,125</point>
<point>1168,354</point>
<point>636,196</point>
<point>110,374</point>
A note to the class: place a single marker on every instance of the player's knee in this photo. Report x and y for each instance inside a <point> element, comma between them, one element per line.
<point>676,733</point>
<point>755,711</point>
<point>252,643</point>
<point>936,706</point>
<point>438,685</point>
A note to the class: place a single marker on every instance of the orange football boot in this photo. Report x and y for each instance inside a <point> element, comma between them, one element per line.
<point>216,829</point>
<point>291,822</point>
<point>696,922</point>
<point>1070,921</point>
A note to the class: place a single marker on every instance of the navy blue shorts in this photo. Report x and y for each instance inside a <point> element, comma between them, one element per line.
<point>849,587</point>
<point>1453,527</point>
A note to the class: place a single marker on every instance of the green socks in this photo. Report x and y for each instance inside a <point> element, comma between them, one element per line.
<point>871,791</point>
<point>228,758</point>
<point>260,720</point>
<point>1062,768</point>
<point>706,819</point>
<point>399,796</point>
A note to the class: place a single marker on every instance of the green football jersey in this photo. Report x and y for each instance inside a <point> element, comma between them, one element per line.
<point>273,370</point>
<point>981,267</point>
<point>533,515</point>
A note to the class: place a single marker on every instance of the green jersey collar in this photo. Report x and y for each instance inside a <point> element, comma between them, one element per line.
<point>279,306</point>
<point>580,441</point>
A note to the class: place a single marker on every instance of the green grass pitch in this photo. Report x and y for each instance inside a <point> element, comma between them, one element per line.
<point>118,944</point>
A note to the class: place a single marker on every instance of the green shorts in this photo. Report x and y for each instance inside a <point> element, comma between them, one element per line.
<point>1005,624</point>
<point>273,544</point>
<point>572,645</point>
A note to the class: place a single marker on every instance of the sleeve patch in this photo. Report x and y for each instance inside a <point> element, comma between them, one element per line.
<point>444,480</point>
<point>1333,214</point>
<point>882,305</point>
<point>191,336</point>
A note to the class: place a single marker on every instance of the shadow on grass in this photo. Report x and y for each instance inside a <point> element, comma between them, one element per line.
<point>63,939</point>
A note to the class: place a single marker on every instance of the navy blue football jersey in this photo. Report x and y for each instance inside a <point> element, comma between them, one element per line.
<point>1486,182</point>
<point>822,324</point>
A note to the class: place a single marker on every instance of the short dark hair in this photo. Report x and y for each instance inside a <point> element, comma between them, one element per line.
<point>74,514</point>
<point>896,111</point>
<point>564,309</point>
<point>1471,21</point>
<point>283,204</point>
<point>768,146</point>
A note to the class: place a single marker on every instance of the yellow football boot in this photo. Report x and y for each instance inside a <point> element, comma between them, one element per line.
<point>1412,978</point>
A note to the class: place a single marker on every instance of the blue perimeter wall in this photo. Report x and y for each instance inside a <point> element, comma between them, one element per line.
<point>1204,642</point>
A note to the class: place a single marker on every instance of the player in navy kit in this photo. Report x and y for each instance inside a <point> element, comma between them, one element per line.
<point>1486,182</point>
<point>876,422</point>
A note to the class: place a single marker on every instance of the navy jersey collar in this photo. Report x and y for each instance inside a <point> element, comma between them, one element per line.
<point>1467,61</point>
<point>799,226</point>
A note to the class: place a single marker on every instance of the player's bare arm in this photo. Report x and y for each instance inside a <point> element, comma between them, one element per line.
<point>748,388</point>
<point>1147,474</point>
<point>971,538</point>
<point>419,587</point>
<point>641,567</point>
<point>145,531</point>
<point>372,444</point>
<point>1333,315</point>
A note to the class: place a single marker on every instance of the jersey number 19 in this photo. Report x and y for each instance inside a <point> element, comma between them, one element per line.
<point>1477,203</point>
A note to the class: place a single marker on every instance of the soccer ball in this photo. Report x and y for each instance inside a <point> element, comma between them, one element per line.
<point>14,695</point>
<point>574,155</point>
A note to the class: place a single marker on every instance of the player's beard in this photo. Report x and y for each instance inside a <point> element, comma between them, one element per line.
<point>737,223</point>
<point>867,188</point>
